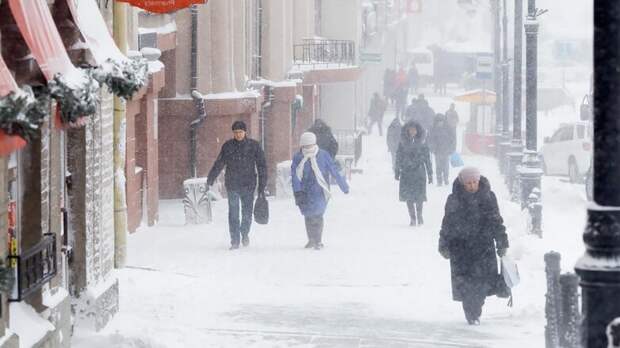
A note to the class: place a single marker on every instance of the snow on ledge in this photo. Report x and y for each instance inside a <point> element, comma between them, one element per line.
<point>596,207</point>
<point>164,29</point>
<point>232,95</point>
<point>28,324</point>
<point>53,300</point>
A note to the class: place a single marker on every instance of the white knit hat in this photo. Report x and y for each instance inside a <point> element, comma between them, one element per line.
<point>307,138</point>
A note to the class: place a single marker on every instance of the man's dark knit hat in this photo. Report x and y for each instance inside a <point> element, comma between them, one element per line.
<point>239,125</point>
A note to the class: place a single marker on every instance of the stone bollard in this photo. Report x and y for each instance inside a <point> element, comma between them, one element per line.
<point>197,203</point>
<point>613,334</point>
<point>552,300</point>
<point>534,207</point>
<point>570,315</point>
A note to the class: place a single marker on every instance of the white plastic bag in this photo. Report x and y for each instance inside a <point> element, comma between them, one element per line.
<point>510,271</point>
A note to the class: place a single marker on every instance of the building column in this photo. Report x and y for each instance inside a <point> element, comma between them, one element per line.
<point>515,156</point>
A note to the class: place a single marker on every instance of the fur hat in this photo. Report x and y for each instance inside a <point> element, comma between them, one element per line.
<point>239,125</point>
<point>307,139</point>
<point>469,173</point>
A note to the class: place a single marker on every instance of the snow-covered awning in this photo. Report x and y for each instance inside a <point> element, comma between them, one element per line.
<point>163,6</point>
<point>7,82</point>
<point>477,96</point>
<point>74,90</point>
<point>91,24</point>
<point>122,75</point>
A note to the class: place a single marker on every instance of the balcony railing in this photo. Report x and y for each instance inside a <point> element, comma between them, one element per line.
<point>325,52</point>
<point>35,267</point>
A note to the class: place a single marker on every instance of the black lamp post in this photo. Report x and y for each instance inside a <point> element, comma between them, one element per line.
<point>504,144</point>
<point>599,268</point>
<point>530,172</point>
<point>497,71</point>
<point>515,154</point>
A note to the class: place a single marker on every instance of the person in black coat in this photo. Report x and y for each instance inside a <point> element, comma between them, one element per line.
<point>393,138</point>
<point>442,142</point>
<point>324,137</point>
<point>472,232</point>
<point>244,161</point>
<point>413,167</point>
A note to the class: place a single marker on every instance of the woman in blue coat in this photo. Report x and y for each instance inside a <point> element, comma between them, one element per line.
<point>310,171</point>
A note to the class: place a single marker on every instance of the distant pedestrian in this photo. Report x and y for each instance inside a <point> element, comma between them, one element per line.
<point>452,116</point>
<point>413,77</point>
<point>413,168</point>
<point>325,137</point>
<point>244,161</point>
<point>400,101</point>
<point>310,171</point>
<point>442,142</point>
<point>425,115</point>
<point>389,84</point>
<point>393,139</point>
<point>376,112</point>
<point>471,233</point>
<point>412,111</point>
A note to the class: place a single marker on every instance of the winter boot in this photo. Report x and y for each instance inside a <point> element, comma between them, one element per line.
<point>245,240</point>
<point>234,247</point>
<point>310,244</point>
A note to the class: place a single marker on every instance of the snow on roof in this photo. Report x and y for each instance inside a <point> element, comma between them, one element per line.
<point>27,324</point>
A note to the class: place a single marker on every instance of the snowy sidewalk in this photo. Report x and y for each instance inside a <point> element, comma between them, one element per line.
<point>377,283</point>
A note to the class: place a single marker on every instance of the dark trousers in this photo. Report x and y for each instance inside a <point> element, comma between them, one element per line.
<point>245,201</point>
<point>314,228</point>
<point>442,166</point>
<point>379,125</point>
<point>472,306</point>
<point>415,212</point>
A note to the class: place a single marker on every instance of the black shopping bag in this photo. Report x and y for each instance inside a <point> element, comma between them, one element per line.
<point>261,210</point>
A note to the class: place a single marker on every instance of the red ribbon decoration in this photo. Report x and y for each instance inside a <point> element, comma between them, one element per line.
<point>163,6</point>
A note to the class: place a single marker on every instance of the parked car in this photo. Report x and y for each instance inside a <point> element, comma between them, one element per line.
<point>568,151</point>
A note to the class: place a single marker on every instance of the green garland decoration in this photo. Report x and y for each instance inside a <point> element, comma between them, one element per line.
<point>21,113</point>
<point>123,79</point>
<point>76,100</point>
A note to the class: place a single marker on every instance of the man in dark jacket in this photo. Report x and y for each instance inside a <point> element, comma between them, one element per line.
<point>426,114</point>
<point>442,142</point>
<point>452,116</point>
<point>324,137</point>
<point>376,112</point>
<point>244,160</point>
<point>471,233</point>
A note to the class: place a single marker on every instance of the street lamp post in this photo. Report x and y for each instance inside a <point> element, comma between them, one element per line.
<point>530,172</point>
<point>599,268</point>
<point>515,154</point>
<point>497,83</point>
<point>504,145</point>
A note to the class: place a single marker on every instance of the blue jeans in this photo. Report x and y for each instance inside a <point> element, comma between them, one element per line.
<point>245,201</point>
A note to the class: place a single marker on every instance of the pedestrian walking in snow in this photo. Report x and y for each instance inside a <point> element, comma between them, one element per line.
<point>324,137</point>
<point>413,168</point>
<point>400,101</point>
<point>393,139</point>
<point>442,142</point>
<point>310,171</point>
<point>472,232</point>
<point>376,112</point>
<point>425,115</point>
<point>389,84</point>
<point>452,116</point>
<point>244,161</point>
<point>413,77</point>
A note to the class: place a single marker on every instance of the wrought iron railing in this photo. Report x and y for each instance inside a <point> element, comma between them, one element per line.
<point>35,267</point>
<point>321,52</point>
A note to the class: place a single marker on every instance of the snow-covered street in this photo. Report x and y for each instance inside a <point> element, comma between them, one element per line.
<point>377,283</point>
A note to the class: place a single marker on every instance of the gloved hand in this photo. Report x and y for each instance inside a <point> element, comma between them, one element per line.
<point>397,176</point>
<point>501,252</point>
<point>445,253</point>
<point>300,198</point>
<point>430,180</point>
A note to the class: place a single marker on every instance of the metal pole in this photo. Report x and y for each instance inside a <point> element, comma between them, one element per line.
<point>496,65</point>
<point>515,155</point>
<point>599,268</point>
<point>504,145</point>
<point>531,172</point>
<point>518,70</point>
